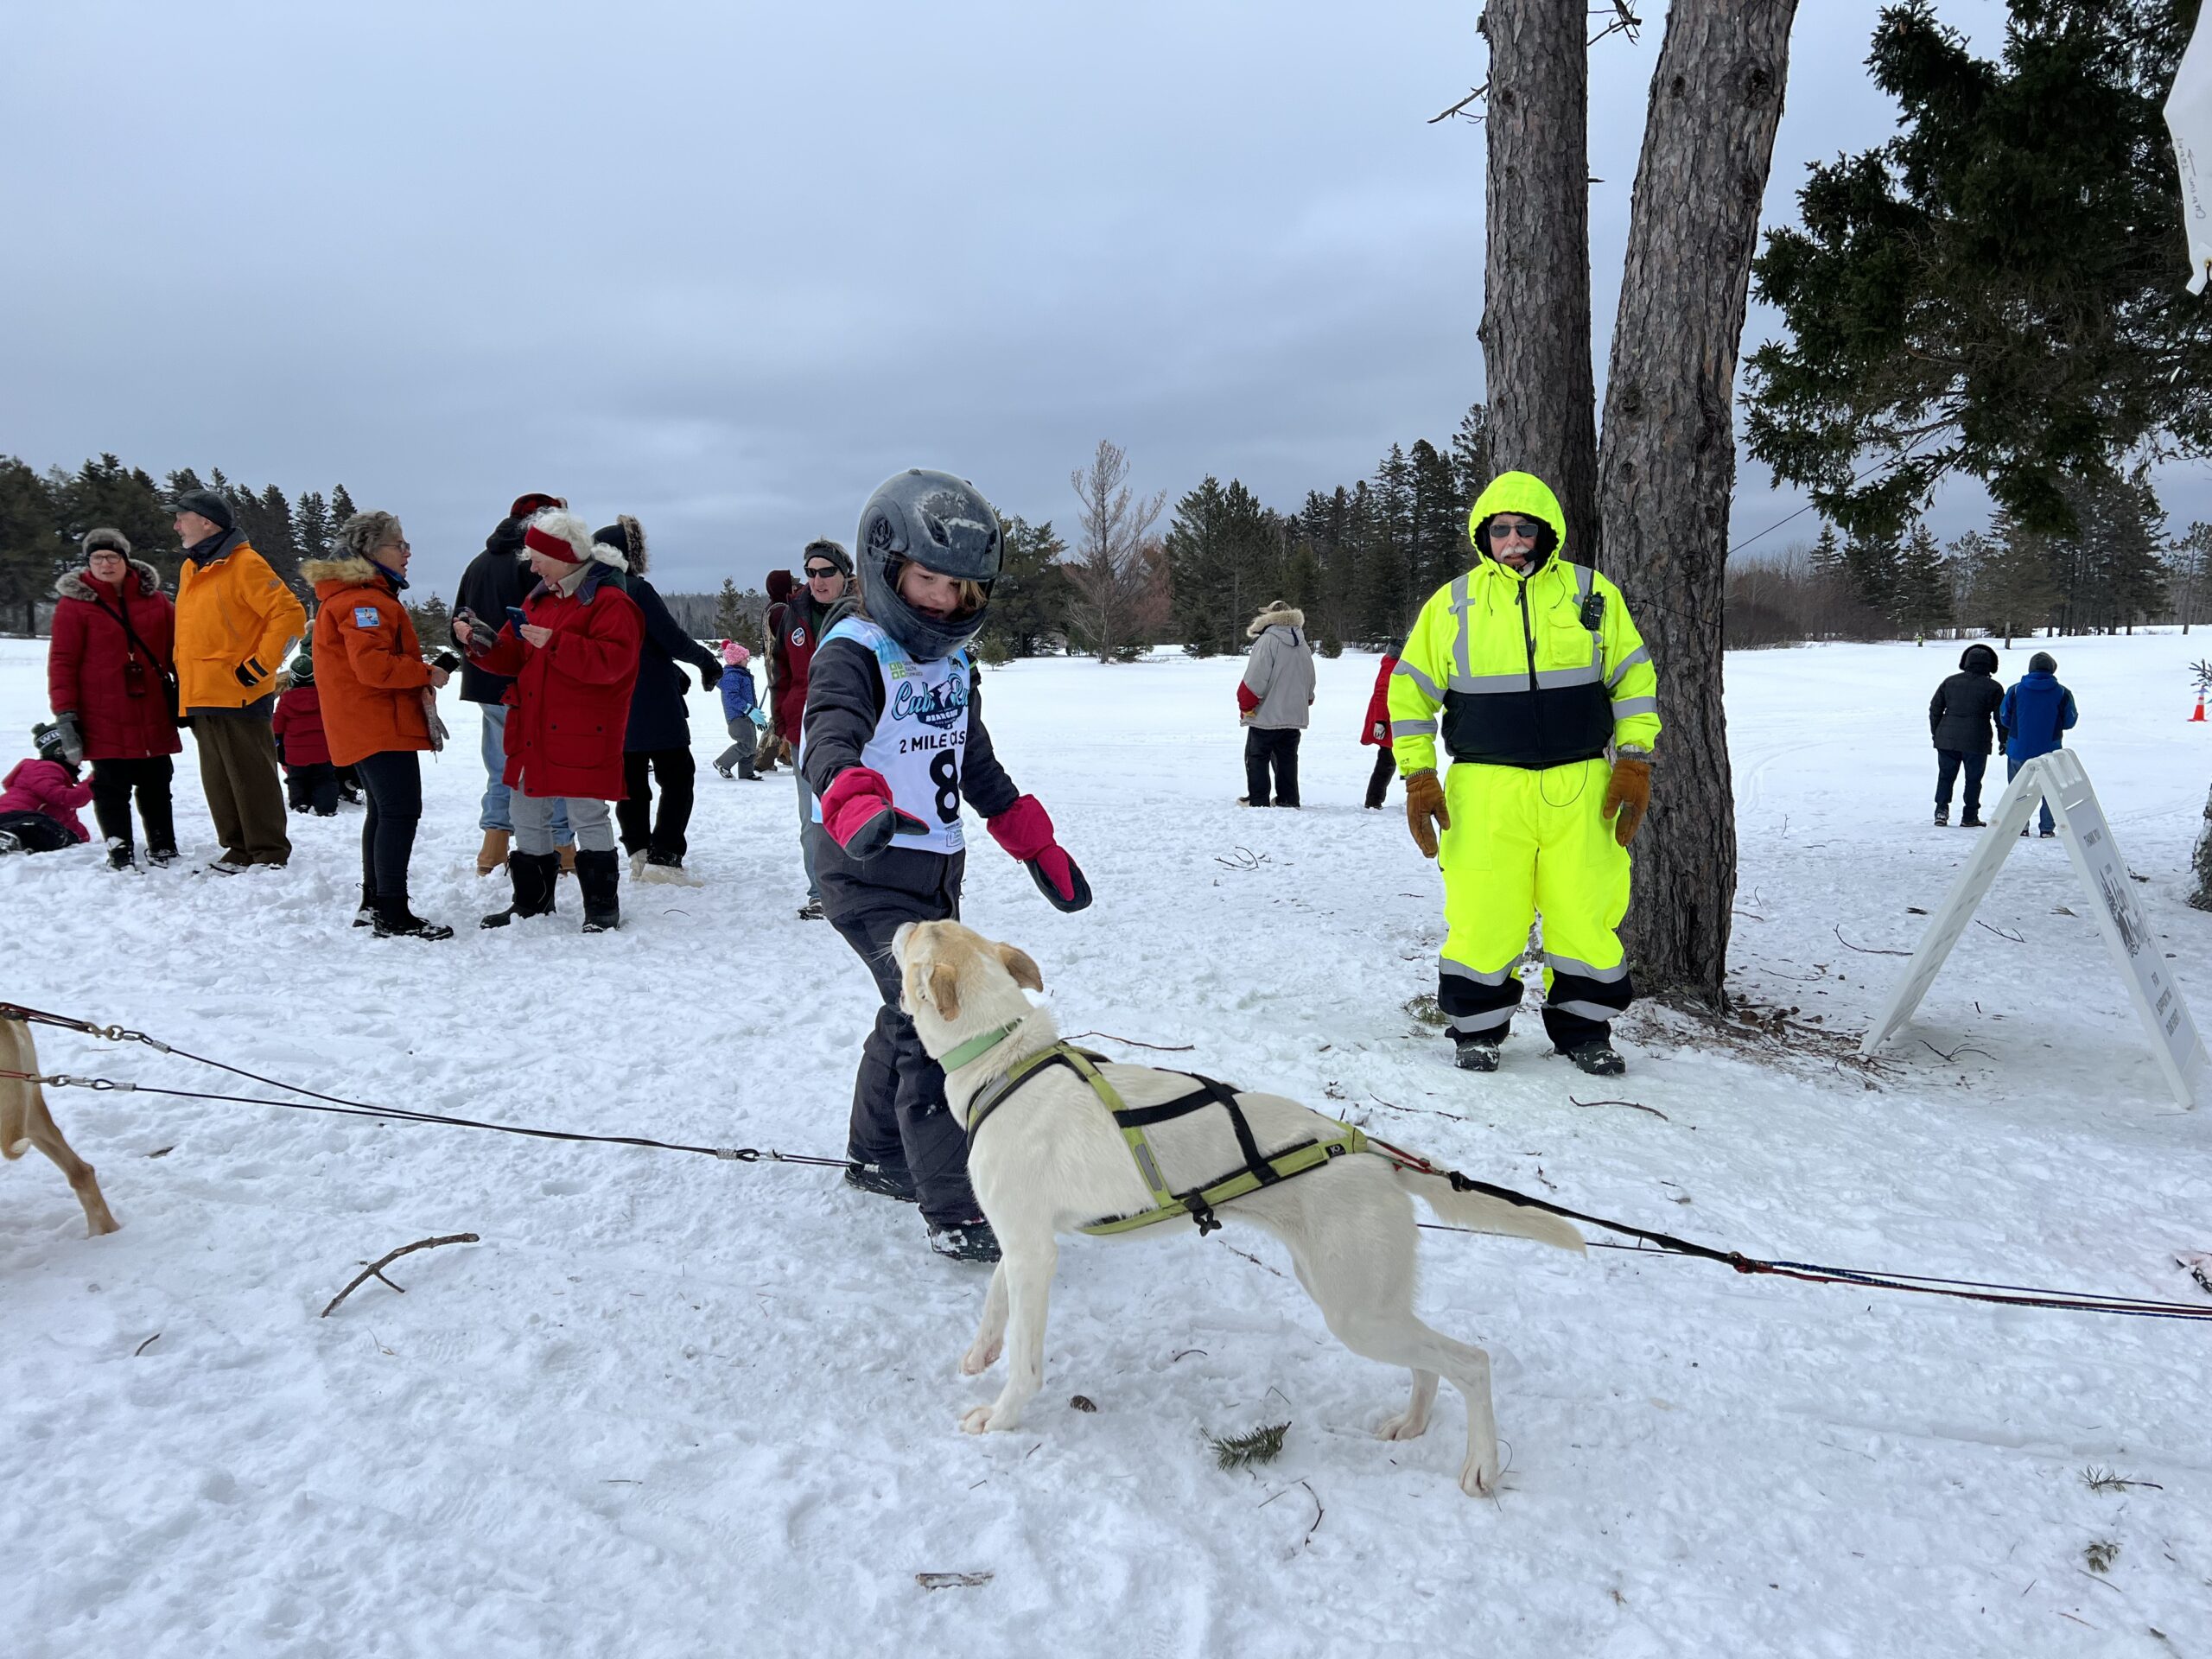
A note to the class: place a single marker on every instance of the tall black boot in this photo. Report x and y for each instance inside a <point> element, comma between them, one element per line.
<point>535,876</point>
<point>599,876</point>
<point>394,920</point>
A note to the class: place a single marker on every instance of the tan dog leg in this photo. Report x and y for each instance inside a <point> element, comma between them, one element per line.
<point>25,1122</point>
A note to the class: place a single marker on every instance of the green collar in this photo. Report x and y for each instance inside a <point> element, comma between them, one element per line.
<point>975,1047</point>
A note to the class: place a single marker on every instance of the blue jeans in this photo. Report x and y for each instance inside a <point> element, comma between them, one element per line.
<point>2012,770</point>
<point>498,811</point>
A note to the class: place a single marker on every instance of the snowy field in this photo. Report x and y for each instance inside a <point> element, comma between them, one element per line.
<point>673,1405</point>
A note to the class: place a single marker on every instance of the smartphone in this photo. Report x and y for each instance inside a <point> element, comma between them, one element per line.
<point>517,615</point>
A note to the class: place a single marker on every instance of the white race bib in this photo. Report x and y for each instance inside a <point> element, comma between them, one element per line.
<point>921,738</point>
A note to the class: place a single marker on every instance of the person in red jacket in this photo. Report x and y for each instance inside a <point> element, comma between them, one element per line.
<point>574,658</point>
<point>1377,732</point>
<point>111,681</point>
<point>39,798</point>
<point>795,628</point>
<point>310,781</point>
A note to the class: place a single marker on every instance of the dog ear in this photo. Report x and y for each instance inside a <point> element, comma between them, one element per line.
<point>1018,963</point>
<point>944,989</point>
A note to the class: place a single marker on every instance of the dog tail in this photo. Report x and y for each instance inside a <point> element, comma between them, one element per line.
<point>1486,1214</point>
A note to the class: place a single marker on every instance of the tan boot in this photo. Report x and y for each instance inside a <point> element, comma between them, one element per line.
<point>493,853</point>
<point>569,860</point>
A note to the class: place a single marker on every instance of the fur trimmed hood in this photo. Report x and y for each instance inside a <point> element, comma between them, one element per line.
<point>77,584</point>
<point>350,571</point>
<point>626,536</point>
<point>567,527</point>
<point>1279,613</point>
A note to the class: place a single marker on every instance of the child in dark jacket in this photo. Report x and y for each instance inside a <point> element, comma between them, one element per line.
<point>741,703</point>
<point>888,774</point>
<point>310,781</point>
<point>2034,719</point>
<point>39,798</point>
<point>1958,723</point>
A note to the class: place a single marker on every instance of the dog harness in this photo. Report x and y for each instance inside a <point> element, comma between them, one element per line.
<point>1198,1203</point>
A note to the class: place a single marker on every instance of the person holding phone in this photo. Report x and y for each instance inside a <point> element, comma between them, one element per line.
<point>573,655</point>
<point>894,742</point>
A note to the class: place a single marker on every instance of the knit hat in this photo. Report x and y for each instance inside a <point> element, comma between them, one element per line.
<point>734,655</point>
<point>561,536</point>
<point>822,547</point>
<point>779,586</point>
<point>535,501</point>
<point>2042,662</point>
<point>209,505</point>
<point>53,744</point>
<point>114,540</point>
<point>301,669</point>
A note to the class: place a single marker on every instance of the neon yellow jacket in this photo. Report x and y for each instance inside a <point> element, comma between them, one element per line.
<point>1507,663</point>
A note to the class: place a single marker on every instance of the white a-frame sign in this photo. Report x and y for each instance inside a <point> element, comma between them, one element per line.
<point>2057,778</point>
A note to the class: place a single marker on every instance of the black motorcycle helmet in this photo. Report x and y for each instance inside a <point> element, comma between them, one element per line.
<point>1978,658</point>
<point>939,522</point>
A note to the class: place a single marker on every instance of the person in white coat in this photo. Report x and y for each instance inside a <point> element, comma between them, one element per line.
<point>1271,701</point>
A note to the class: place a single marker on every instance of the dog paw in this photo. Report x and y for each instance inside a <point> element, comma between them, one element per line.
<point>976,1361</point>
<point>977,1419</point>
<point>1478,1477</point>
<point>1406,1426</point>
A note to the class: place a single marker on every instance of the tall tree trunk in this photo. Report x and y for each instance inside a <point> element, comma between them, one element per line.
<point>1536,327</point>
<point>1669,463</point>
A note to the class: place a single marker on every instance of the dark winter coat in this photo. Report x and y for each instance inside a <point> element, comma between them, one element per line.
<point>795,627</point>
<point>2035,716</point>
<point>298,727</point>
<point>496,578</point>
<point>571,698</point>
<point>1960,713</point>
<point>657,716</point>
<point>122,715</point>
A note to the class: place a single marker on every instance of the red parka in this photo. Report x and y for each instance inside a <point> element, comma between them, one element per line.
<point>1378,729</point>
<point>571,696</point>
<point>122,714</point>
<point>298,727</point>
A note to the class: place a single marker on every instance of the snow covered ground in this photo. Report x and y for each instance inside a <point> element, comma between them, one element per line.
<point>672,1406</point>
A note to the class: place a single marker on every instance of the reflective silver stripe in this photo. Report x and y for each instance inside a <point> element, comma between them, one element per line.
<point>1469,1023</point>
<point>1597,1011</point>
<point>1427,686</point>
<point>1624,707</point>
<point>1641,654</point>
<point>1412,728</point>
<point>1603,975</point>
<point>1460,606</point>
<point>1582,582</point>
<point>1460,970</point>
<point>1547,679</point>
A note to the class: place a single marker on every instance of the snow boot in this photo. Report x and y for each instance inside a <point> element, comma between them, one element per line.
<point>395,921</point>
<point>163,856</point>
<point>811,910</point>
<point>881,1180</point>
<point>964,1241</point>
<point>1943,817</point>
<point>118,854</point>
<point>365,914</point>
<point>494,852</point>
<point>599,876</point>
<point>721,770</point>
<point>1477,1051</point>
<point>534,875</point>
<point>1598,1058</point>
<point>665,868</point>
<point>2049,834</point>
<point>1971,821</point>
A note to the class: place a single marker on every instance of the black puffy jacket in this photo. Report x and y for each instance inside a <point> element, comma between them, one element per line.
<point>1963,713</point>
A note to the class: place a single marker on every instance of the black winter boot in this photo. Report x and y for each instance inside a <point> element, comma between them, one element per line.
<point>1597,1058</point>
<point>1476,1051</point>
<point>535,875</point>
<point>964,1241</point>
<point>395,920</point>
<point>599,876</point>
<point>365,914</point>
<point>881,1180</point>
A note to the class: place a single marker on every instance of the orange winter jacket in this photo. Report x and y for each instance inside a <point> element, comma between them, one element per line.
<point>368,664</point>
<point>235,625</point>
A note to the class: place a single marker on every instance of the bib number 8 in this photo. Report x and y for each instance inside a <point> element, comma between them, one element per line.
<point>945,772</point>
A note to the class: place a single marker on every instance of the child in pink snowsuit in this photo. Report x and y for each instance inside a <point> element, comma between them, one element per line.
<point>38,809</point>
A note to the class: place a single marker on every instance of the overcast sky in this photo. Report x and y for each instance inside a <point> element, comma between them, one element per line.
<point>726,266</point>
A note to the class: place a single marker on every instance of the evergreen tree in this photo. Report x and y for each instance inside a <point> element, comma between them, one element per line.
<point>1921,601</point>
<point>433,623</point>
<point>2189,566</point>
<point>1474,462</point>
<point>1029,601</point>
<point>2016,592</point>
<point>1197,555</point>
<point>1387,576</point>
<point>1438,545</point>
<point>311,526</point>
<point>105,492</point>
<point>342,506</point>
<point>32,551</point>
<point>1827,557</point>
<point>729,610</point>
<point>1872,563</point>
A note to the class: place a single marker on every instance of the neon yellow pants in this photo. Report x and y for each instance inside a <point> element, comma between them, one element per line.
<point>1523,844</point>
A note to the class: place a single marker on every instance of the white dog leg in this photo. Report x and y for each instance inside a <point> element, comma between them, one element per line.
<point>1413,1422</point>
<point>990,1334</point>
<point>1028,1266</point>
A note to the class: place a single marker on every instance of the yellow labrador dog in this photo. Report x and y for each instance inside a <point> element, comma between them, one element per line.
<point>1050,1158</point>
<point>25,1122</point>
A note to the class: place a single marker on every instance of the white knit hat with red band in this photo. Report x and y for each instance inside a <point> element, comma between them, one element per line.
<point>564,536</point>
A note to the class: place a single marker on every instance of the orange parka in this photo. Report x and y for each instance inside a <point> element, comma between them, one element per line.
<point>235,625</point>
<point>368,663</point>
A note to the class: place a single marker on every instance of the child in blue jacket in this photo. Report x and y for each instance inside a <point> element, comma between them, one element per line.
<point>2033,720</point>
<point>739,699</point>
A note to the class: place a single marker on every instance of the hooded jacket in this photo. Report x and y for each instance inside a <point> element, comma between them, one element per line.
<point>1960,713</point>
<point>46,786</point>
<point>496,578</point>
<point>368,663</point>
<point>2036,715</point>
<point>657,719</point>
<point>297,727</point>
<point>1506,659</point>
<point>1277,690</point>
<point>122,714</point>
<point>236,623</point>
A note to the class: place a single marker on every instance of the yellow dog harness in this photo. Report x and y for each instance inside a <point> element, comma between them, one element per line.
<point>1197,1203</point>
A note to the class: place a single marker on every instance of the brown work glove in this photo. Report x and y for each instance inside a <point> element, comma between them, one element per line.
<point>1629,793</point>
<point>1425,813</point>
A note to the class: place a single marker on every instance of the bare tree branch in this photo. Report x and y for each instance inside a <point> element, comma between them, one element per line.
<point>375,1269</point>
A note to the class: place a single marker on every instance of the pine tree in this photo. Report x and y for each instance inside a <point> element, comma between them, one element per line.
<point>341,507</point>
<point>1197,554</point>
<point>1922,603</point>
<point>1438,545</point>
<point>1473,462</point>
<point>1871,563</point>
<point>729,610</point>
<point>2017,593</point>
<point>433,623</point>
<point>1387,577</point>
<point>2189,566</point>
<point>32,550</point>
<point>311,526</point>
<point>105,492</point>
<point>1029,601</point>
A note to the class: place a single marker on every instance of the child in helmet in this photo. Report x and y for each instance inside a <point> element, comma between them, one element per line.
<point>39,798</point>
<point>893,742</point>
<point>310,781</point>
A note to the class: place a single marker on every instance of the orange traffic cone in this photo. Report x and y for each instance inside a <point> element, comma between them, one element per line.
<point>2199,715</point>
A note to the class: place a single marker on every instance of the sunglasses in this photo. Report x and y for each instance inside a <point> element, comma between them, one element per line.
<point>822,572</point>
<point>1506,529</point>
